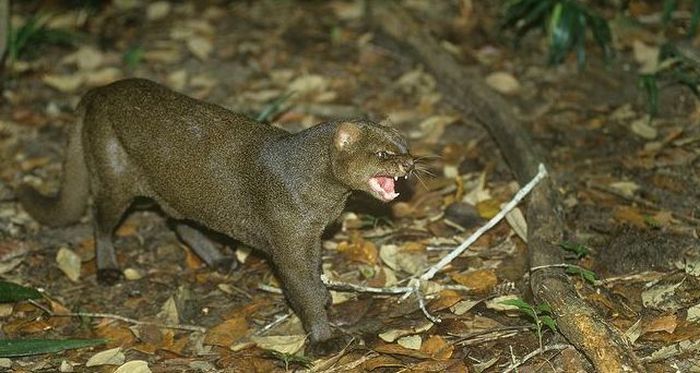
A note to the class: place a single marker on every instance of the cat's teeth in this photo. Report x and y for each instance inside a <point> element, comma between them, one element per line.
<point>396,178</point>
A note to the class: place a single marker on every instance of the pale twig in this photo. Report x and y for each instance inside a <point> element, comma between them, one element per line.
<point>348,287</point>
<point>270,289</point>
<point>274,323</point>
<point>430,273</point>
<point>192,328</point>
<point>539,351</point>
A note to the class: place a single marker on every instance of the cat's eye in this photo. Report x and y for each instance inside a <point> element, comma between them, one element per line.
<point>382,154</point>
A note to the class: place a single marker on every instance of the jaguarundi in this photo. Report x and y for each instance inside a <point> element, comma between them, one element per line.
<point>203,164</point>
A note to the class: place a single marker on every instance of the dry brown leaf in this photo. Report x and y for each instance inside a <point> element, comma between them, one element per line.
<point>446,299</point>
<point>227,333</point>
<point>64,83</point>
<point>412,342</point>
<point>488,208</point>
<point>395,349</point>
<point>628,214</point>
<point>113,356</point>
<point>667,323</point>
<point>359,249</point>
<point>134,366</point>
<point>382,361</point>
<point>115,334</point>
<point>481,281</point>
<point>286,344</point>
<point>69,262</point>
<point>200,47</point>
<point>437,348</point>
<point>503,82</point>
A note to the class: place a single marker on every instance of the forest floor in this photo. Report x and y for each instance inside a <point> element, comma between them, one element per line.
<point>629,189</point>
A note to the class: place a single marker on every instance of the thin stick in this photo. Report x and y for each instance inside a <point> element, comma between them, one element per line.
<point>539,351</point>
<point>541,174</point>
<point>274,323</point>
<point>192,328</point>
<point>348,287</point>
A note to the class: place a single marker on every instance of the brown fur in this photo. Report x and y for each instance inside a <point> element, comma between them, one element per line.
<point>202,163</point>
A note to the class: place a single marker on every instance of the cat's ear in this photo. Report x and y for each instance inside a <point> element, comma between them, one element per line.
<point>386,122</point>
<point>346,134</point>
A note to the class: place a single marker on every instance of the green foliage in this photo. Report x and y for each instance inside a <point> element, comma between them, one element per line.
<point>32,34</point>
<point>274,107</point>
<point>588,276</point>
<point>670,6</point>
<point>10,292</point>
<point>541,315</point>
<point>133,56</point>
<point>566,23</point>
<point>579,249</point>
<point>674,68</point>
<point>288,359</point>
<point>27,347</point>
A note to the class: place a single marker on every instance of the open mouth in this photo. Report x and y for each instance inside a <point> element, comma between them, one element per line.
<point>383,187</point>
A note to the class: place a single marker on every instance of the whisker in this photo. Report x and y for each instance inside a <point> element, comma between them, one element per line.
<point>414,172</point>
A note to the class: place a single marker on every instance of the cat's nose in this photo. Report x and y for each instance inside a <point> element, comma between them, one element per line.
<point>407,165</point>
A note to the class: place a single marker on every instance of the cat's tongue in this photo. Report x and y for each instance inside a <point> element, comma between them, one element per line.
<point>384,187</point>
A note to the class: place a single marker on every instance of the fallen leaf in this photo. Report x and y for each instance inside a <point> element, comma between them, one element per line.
<point>177,80</point>
<point>359,249</point>
<point>630,215</point>
<point>169,312</point>
<point>516,220</point>
<point>488,208</point>
<point>64,83</point>
<point>497,304</point>
<point>481,280</point>
<point>400,260</point>
<point>394,334</point>
<point>132,274</point>
<point>627,188</point>
<point>69,262</point>
<point>412,342</point>
<point>395,349</point>
<point>86,58</point>
<point>460,308</point>
<point>227,333</point>
<point>286,344</point>
<point>157,10</point>
<point>446,299</point>
<point>661,296</point>
<point>308,84</point>
<point>643,129</point>
<point>694,313</point>
<point>200,47</point>
<point>103,76</point>
<point>646,56</point>
<point>503,82</point>
<point>134,366</point>
<point>437,348</point>
<point>113,356</point>
<point>667,323</point>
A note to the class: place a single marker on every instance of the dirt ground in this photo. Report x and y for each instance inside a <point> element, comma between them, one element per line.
<point>628,186</point>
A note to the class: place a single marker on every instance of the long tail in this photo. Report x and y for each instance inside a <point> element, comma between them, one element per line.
<point>68,205</point>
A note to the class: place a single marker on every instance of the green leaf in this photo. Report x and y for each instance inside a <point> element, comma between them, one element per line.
<point>10,292</point>
<point>694,19</point>
<point>587,275</point>
<point>273,107</point>
<point>523,306</point>
<point>544,308</point>
<point>26,347</point>
<point>651,89</point>
<point>133,56</point>
<point>577,248</point>
<point>550,322</point>
<point>669,7</point>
